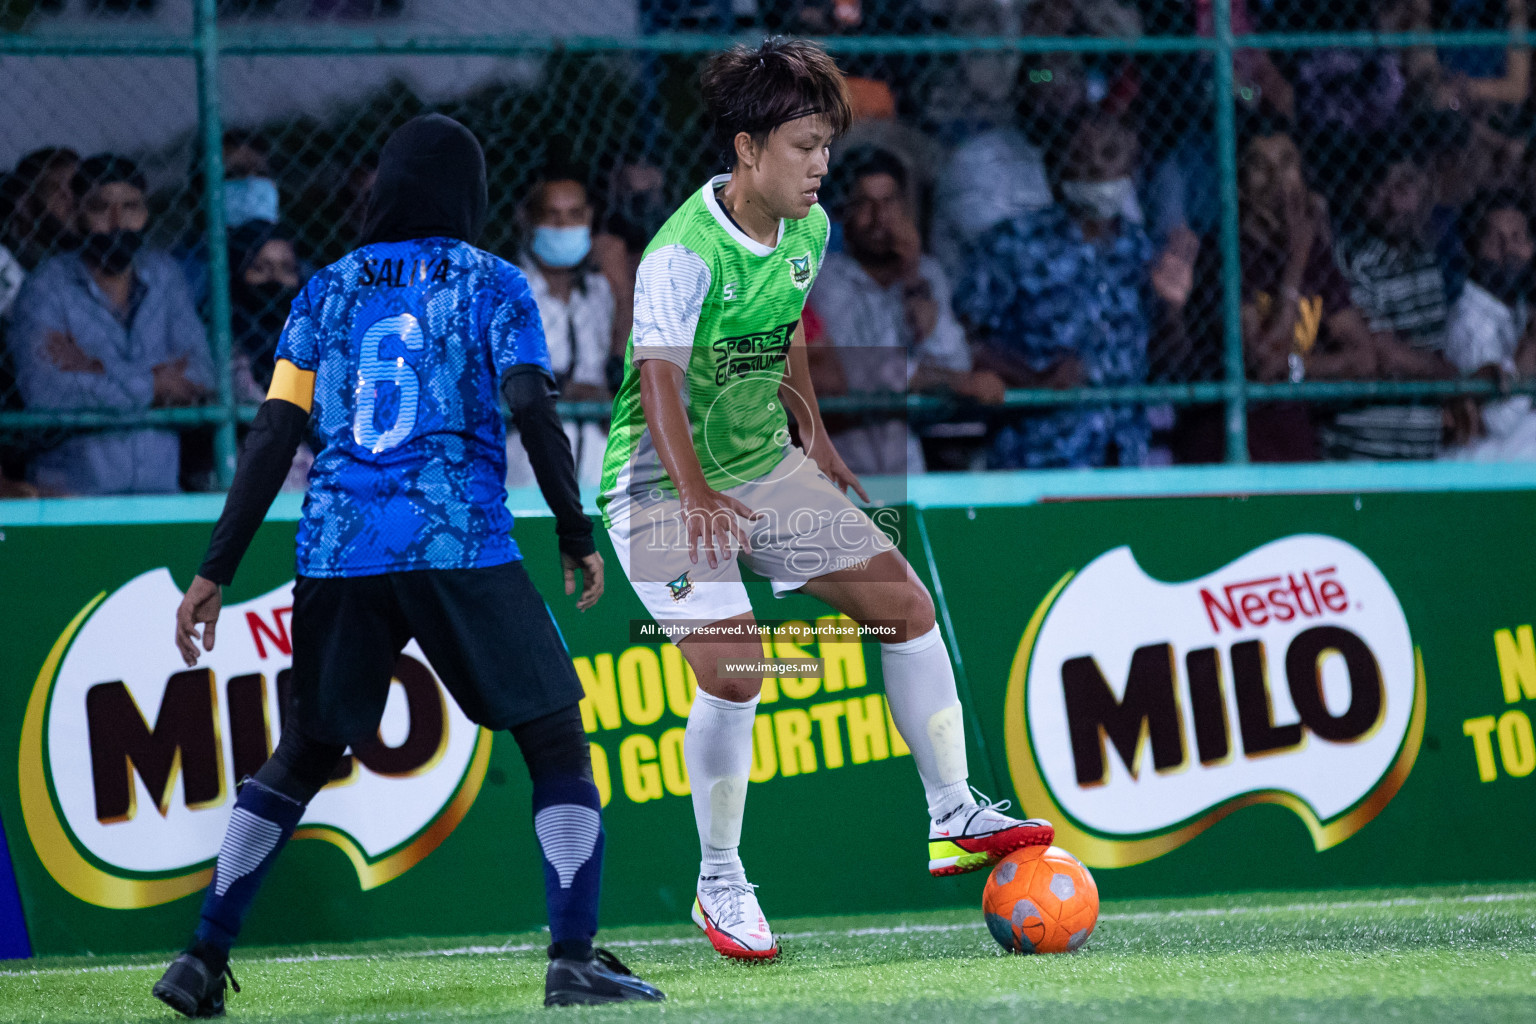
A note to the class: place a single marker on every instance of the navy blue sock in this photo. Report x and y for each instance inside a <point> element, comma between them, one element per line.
<point>263,820</point>
<point>567,818</point>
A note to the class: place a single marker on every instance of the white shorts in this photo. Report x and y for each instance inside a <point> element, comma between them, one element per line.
<point>809,529</point>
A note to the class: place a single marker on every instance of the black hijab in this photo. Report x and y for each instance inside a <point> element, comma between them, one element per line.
<point>431,184</point>
<point>257,312</point>
<point>246,242</point>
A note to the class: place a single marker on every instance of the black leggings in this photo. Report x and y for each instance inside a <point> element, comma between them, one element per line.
<point>555,744</point>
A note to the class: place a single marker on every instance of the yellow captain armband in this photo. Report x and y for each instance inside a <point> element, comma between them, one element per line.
<point>292,384</point>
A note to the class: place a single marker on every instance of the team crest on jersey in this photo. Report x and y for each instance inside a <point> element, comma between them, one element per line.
<point>680,587</point>
<point>800,270</point>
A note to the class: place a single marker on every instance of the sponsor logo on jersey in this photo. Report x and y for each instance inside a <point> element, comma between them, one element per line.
<point>800,268</point>
<point>751,353</point>
<point>680,587</point>
<point>1139,713</point>
<point>129,760</point>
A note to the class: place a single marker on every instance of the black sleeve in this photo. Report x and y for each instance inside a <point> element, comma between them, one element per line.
<point>531,396</point>
<point>264,463</point>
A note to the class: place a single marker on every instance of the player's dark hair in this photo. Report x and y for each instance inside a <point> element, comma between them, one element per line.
<point>755,90</point>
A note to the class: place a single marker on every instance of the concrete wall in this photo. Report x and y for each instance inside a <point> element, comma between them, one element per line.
<point>144,104</point>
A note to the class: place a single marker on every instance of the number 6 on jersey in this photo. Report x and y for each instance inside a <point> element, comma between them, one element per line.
<point>385,381</point>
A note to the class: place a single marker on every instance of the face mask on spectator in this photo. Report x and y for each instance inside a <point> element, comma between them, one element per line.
<point>1507,279</point>
<point>562,247</point>
<point>268,304</point>
<point>111,252</point>
<point>1103,200</point>
<point>248,199</point>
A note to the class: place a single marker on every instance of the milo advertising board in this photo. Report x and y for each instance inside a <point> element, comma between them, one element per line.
<point>1266,692</point>
<point>1203,694</point>
<point>1286,677</point>
<point>124,763</point>
<point>113,719</point>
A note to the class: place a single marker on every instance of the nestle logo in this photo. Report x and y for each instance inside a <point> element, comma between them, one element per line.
<point>1258,602</point>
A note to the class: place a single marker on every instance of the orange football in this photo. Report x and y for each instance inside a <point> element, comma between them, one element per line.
<point>1040,900</point>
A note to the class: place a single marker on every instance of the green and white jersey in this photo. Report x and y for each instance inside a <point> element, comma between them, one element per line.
<point>723,308</point>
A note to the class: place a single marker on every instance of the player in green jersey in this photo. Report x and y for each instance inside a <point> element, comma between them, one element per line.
<point>700,475</point>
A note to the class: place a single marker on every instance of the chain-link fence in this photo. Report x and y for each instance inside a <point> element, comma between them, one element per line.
<point>1166,230</point>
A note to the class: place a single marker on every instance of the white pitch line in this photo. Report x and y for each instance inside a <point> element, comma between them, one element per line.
<point>903,929</point>
<point>404,954</point>
<point>1303,908</point>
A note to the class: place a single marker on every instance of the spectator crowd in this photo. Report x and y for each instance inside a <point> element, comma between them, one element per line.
<point>1000,222</point>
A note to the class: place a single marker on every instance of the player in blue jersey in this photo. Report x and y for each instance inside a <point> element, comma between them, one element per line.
<point>391,361</point>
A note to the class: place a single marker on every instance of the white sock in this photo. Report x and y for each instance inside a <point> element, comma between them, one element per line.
<point>717,748</point>
<point>920,689</point>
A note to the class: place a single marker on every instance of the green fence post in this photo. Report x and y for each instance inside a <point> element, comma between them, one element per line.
<point>210,123</point>
<point>1231,266</point>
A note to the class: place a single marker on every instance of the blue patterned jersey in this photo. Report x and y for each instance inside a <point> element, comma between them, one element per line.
<point>408,342</point>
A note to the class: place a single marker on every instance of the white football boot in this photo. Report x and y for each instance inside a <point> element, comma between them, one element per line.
<point>978,835</point>
<point>727,910</point>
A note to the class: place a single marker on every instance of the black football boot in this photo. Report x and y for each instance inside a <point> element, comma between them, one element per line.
<point>602,979</point>
<point>190,986</point>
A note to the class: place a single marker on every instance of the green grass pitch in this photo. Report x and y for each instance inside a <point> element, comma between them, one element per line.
<point>1426,954</point>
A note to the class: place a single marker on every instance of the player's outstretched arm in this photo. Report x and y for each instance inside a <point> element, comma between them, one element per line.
<point>531,397</point>
<point>799,396</point>
<point>264,463</point>
<point>709,516</point>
